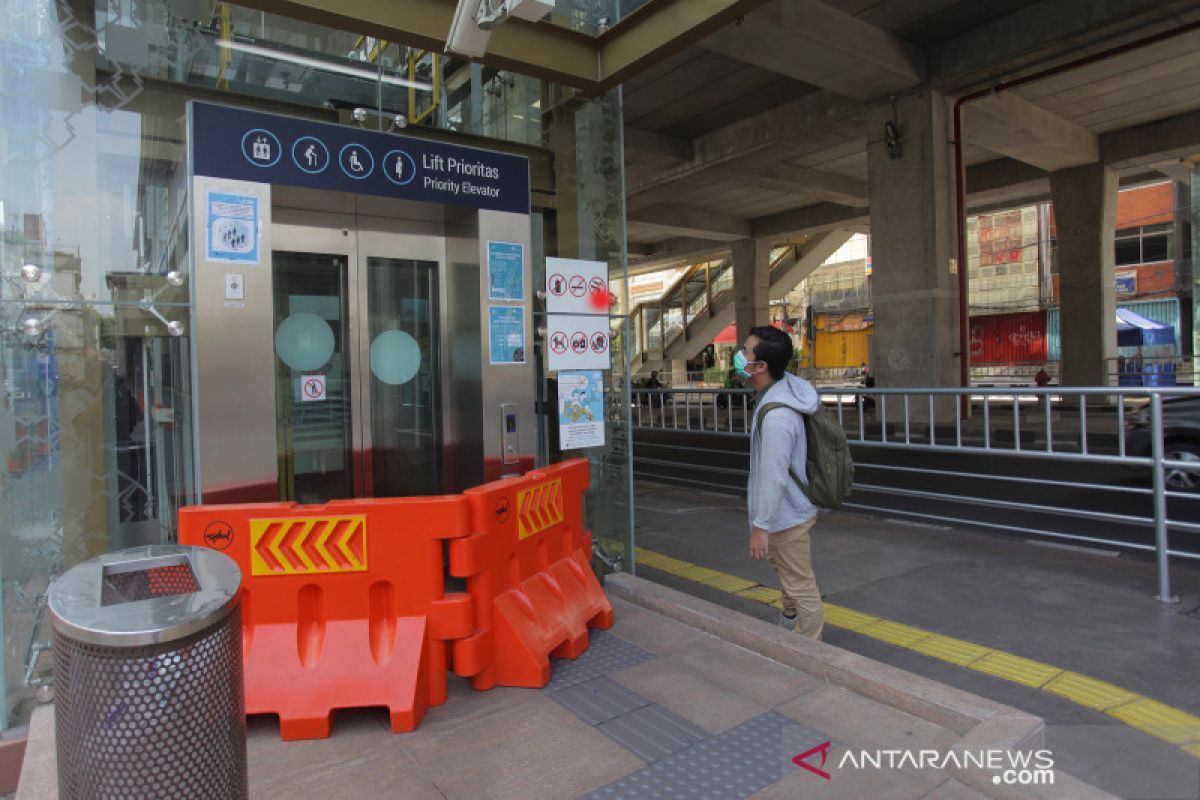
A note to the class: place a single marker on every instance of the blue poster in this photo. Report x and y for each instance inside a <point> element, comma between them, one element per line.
<point>506,271</point>
<point>581,409</point>
<point>506,335</point>
<point>232,232</point>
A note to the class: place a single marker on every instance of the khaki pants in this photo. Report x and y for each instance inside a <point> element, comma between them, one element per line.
<point>791,556</point>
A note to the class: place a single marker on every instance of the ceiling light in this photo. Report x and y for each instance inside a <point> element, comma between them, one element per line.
<point>328,66</point>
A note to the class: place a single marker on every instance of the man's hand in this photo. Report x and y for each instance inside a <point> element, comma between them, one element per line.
<point>758,543</point>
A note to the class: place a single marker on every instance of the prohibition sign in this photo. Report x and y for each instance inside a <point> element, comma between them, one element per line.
<point>598,284</point>
<point>558,285</point>
<point>599,342</point>
<point>578,287</point>
<point>558,342</point>
<point>579,343</point>
<point>314,388</point>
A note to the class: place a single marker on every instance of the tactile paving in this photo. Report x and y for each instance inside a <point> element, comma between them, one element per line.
<point>606,653</point>
<point>652,732</point>
<point>598,700</point>
<point>734,764</point>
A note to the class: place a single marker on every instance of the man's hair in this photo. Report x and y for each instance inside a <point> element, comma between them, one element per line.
<point>774,347</point>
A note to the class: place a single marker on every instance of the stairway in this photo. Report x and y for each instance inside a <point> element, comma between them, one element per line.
<point>699,305</point>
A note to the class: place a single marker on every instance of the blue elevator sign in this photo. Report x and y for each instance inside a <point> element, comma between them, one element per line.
<point>251,146</point>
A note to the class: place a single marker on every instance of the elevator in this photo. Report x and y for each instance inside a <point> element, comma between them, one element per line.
<point>343,342</point>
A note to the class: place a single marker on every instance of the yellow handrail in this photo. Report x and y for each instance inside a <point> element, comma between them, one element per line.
<point>414,58</point>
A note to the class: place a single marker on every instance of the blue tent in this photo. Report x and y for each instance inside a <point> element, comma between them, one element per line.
<point>1134,330</point>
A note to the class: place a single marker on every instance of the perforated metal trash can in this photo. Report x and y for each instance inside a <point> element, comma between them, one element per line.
<point>149,699</point>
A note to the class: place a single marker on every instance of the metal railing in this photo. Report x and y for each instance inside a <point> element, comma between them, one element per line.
<point>1118,426</point>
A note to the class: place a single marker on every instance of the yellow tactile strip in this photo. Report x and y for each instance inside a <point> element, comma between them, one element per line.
<point>1157,719</point>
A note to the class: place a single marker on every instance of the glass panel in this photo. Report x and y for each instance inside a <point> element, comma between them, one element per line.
<point>1129,251</point>
<point>653,332</point>
<point>722,278</point>
<point>402,322</point>
<point>312,377</point>
<point>696,295</point>
<point>94,456</point>
<point>1156,247</point>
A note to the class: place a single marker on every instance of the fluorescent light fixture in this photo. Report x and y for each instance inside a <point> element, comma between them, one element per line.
<point>316,63</point>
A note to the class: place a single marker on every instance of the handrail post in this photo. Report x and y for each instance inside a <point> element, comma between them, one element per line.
<point>683,308</point>
<point>1160,503</point>
<point>708,287</point>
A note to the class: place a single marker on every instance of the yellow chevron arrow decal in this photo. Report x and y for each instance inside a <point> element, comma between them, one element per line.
<point>296,559</point>
<point>344,544</point>
<point>298,545</point>
<point>544,510</point>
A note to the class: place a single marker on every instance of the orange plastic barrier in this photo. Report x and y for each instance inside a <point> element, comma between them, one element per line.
<point>528,571</point>
<point>343,604</point>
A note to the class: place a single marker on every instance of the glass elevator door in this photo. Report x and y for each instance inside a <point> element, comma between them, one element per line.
<point>357,356</point>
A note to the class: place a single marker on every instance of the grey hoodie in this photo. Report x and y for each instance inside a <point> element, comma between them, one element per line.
<point>776,502</point>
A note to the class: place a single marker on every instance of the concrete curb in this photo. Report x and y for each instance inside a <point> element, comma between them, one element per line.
<point>981,724</point>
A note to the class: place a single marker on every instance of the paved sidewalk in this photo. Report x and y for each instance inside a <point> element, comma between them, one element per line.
<point>681,699</point>
<point>1060,612</point>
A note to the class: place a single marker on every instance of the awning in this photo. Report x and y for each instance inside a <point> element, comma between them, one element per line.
<point>1134,330</point>
<point>728,334</point>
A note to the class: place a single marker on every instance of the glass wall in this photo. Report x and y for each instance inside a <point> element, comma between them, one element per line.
<point>95,302</point>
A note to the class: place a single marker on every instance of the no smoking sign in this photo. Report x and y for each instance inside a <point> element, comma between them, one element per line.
<point>577,323</point>
<point>573,286</point>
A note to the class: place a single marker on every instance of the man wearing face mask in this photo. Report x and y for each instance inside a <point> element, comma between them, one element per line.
<point>781,517</point>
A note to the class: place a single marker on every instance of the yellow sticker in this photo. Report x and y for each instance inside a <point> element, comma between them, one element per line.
<point>304,546</point>
<point>539,507</point>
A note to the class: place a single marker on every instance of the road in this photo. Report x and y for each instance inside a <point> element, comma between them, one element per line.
<point>890,482</point>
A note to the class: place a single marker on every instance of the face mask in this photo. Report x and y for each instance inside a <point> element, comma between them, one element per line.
<point>740,363</point>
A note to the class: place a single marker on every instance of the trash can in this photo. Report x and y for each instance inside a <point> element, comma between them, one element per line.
<point>149,700</point>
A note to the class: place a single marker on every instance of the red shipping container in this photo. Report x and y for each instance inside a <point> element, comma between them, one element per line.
<point>1008,338</point>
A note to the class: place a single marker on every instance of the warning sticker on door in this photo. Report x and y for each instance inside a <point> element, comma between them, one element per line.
<point>312,388</point>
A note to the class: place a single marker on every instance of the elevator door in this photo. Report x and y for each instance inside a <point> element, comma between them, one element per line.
<point>356,355</point>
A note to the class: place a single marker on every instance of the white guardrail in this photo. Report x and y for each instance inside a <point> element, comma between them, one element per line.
<point>1156,429</point>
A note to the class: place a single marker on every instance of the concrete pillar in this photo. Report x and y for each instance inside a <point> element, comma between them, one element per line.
<point>751,285</point>
<point>1085,215</point>
<point>914,281</point>
<point>560,129</point>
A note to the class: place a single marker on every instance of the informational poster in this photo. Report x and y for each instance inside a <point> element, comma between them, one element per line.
<point>232,230</point>
<point>577,342</point>
<point>506,270</point>
<point>506,334</point>
<point>574,286</point>
<point>580,409</point>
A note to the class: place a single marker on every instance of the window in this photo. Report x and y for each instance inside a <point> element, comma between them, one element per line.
<point>1143,245</point>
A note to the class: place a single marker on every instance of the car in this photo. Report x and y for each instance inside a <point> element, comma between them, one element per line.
<point>1181,437</point>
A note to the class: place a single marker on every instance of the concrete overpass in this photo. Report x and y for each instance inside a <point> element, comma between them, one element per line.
<point>755,123</point>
